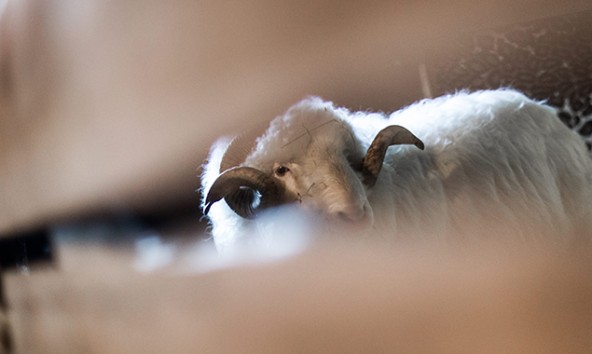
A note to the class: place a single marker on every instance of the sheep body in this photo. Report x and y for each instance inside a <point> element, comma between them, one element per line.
<point>492,160</point>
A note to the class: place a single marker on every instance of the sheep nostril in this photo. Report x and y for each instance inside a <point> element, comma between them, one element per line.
<point>343,216</point>
<point>351,215</point>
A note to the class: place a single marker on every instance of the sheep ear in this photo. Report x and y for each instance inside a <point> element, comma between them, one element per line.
<point>240,147</point>
<point>391,135</point>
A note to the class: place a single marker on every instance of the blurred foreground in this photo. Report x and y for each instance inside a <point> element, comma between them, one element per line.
<point>343,297</point>
<point>109,108</point>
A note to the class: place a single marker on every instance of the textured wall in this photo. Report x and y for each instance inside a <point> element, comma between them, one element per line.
<point>548,59</point>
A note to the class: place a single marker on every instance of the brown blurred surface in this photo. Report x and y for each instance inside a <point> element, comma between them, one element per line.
<point>338,298</point>
<point>114,104</point>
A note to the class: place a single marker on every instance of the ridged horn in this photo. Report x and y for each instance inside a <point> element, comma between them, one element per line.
<point>391,135</point>
<point>242,187</point>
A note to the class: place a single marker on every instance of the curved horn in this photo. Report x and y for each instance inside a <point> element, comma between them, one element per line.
<point>391,135</point>
<point>241,186</point>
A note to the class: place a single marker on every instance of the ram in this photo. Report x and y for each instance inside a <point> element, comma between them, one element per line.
<point>488,164</point>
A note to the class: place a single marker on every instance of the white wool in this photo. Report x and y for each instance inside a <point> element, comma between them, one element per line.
<point>495,163</point>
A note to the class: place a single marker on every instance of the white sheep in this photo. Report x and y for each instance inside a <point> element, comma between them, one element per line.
<point>493,160</point>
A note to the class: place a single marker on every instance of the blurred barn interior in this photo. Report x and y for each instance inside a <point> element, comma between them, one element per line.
<point>108,109</point>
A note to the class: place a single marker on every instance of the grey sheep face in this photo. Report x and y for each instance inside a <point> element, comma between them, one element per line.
<point>325,172</point>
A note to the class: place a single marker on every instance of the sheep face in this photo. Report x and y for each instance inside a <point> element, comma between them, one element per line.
<point>311,157</point>
<point>324,170</point>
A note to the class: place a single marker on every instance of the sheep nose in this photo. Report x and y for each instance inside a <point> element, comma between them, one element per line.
<point>350,213</point>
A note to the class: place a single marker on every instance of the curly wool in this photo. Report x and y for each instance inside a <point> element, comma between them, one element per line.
<point>493,161</point>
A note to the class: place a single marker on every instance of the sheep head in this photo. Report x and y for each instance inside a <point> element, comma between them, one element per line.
<point>312,156</point>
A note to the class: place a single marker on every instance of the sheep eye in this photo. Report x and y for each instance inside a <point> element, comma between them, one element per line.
<point>356,165</point>
<point>281,171</point>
